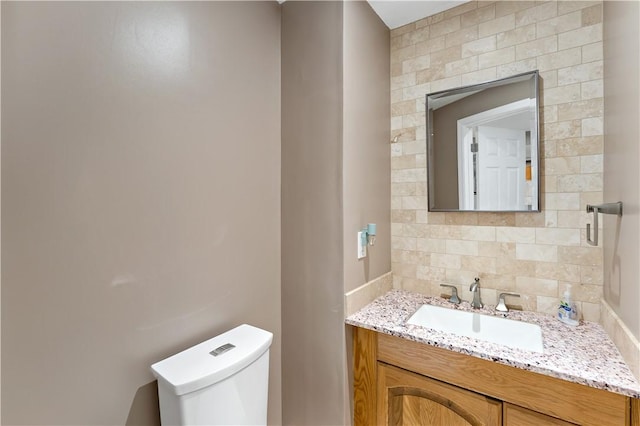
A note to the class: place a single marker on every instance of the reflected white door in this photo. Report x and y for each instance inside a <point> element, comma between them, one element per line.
<point>501,168</point>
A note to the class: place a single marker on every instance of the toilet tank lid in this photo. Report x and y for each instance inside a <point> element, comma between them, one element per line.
<point>196,367</point>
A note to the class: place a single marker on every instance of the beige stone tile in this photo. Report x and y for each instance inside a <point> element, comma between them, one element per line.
<point>514,267</point>
<point>579,73</point>
<point>396,96</point>
<point>449,261</point>
<point>402,54</point>
<point>461,66</point>
<point>549,79</point>
<point>500,282</point>
<point>587,256</point>
<point>414,203</point>
<point>592,52</point>
<point>573,5</point>
<point>537,47</point>
<point>592,126</point>
<point>562,59</point>
<point>426,272</point>
<point>396,123</point>
<point>572,219</point>
<point>557,236</point>
<point>365,294</point>
<point>432,73</point>
<point>414,120</point>
<point>562,201</point>
<point>479,264</point>
<point>461,218</point>
<point>436,218</point>
<point>462,279</point>
<point>549,185</point>
<point>580,182</point>
<point>404,270</point>
<point>580,146</point>
<point>469,248</point>
<point>434,44</point>
<point>403,29</point>
<point>402,81</point>
<point>537,252</point>
<point>403,108</point>
<point>592,89</point>
<point>403,216</point>
<point>445,56</point>
<point>509,7</point>
<point>396,203</point>
<point>562,165</point>
<point>581,109</point>
<point>582,292</point>
<point>561,95</point>
<point>560,24</point>
<point>404,162</point>
<point>515,235</point>
<point>549,114</point>
<point>413,146</point>
<point>480,76</point>
<point>461,36</point>
<point>479,15</point>
<point>591,275</point>
<point>476,47</point>
<point>538,13</point>
<point>498,25</point>
<point>420,35</point>
<point>551,218</point>
<point>537,286</point>
<point>558,271</point>
<point>408,175</point>
<point>396,69</point>
<point>414,285</point>
<point>445,232</point>
<point>404,243</point>
<point>478,233</point>
<point>562,129</point>
<point>445,83</point>
<point>580,37</point>
<point>592,15</point>
<point>591,311</point>
<point>547,304</point>
<point>497,249</point>
<point>497,57</point>
<point>516,36</point>
<point>446,26</point>
<point>531,219</point>
<point>416,64</point>
<point>591,164</point>
<point>496,219</point>
<point>590,198</point>
<point>398,42</point>
<point>431,245</point>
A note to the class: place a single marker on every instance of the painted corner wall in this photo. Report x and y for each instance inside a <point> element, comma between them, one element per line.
<point>140,198</point>
<point>622,175</point>
<point>366,141</point>
<point>335,179</point>
<point>312,254</point>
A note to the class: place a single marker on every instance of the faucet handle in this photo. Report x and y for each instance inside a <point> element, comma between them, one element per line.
<point>501,306</point>
<point>454,293</point>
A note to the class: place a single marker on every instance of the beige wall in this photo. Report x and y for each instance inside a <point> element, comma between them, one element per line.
<point>622,176</point>
<point>312,252</point>
<point>335,175</point>
<point>534,254</point>
<point>140,198</point>
<point>366,163</point>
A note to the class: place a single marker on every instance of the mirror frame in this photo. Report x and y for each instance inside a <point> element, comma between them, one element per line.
<point>476,88</point>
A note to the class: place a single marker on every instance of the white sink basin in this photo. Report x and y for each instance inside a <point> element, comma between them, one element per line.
<point>503,331</point>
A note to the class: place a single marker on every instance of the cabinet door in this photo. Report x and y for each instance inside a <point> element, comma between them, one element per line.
<point>518,416</point>
<point>406,398</point>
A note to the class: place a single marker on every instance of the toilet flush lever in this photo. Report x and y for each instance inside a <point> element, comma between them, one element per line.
<point>608,208</point>
<point>222,349</point>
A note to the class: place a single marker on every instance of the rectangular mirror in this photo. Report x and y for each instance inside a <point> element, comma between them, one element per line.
<point>483,151</point>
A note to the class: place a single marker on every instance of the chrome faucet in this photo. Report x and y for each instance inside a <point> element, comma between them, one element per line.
<point>475,289</point>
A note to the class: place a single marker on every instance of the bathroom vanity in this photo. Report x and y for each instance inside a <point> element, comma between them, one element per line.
<point>407,375</point>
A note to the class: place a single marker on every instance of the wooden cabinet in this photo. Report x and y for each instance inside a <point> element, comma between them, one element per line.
<point>401,382</point>
<point>406,398</point>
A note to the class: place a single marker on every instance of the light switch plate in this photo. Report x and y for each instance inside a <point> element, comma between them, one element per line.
<point>362,248</point>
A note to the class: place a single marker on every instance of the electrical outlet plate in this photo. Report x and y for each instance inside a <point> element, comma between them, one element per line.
<point>362,248</point>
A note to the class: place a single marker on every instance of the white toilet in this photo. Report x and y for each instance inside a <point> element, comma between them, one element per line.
<point>223,381</point>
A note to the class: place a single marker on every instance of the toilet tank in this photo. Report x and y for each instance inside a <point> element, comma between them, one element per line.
<point>222,381</point>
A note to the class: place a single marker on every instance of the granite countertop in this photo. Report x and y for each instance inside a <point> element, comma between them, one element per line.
<point>584,354</point>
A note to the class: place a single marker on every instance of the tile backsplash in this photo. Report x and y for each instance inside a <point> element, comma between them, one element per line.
<point>534,254</point>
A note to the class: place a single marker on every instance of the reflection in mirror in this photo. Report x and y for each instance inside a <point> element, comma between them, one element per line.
<point>483,146</point>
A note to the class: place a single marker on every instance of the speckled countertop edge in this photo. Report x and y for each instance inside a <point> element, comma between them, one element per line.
<point>584,354</point>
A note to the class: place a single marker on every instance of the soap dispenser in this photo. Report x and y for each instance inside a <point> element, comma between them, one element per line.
<point>568,311</point>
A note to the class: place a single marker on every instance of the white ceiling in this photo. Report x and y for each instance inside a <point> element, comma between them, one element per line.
<point>396,13</point>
